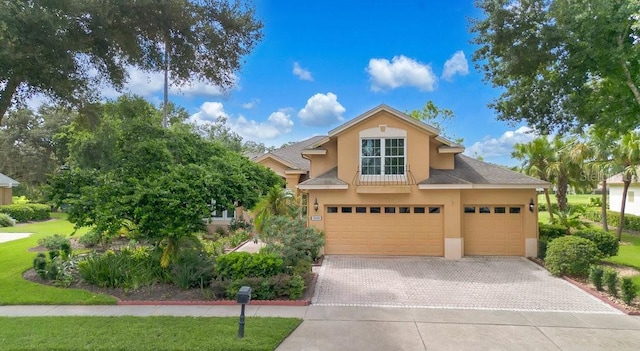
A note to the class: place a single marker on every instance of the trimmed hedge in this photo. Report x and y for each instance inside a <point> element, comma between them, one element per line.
<point>571,255</point>
<point>631,222</point>
<point>239,265</point>
<point>606,242</point>
<point>27,212</point>
<point>548,232</point>
<point>5,220</point>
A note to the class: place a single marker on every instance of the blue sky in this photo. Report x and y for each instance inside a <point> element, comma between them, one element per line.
<point>323,63</point>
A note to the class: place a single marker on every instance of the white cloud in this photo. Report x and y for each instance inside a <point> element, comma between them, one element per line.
<point>457,64</point>
<point>502,146</point>
<point>401,71</point>
<point>277,123</point>
<point>322,110</point>
<point>251,104</point>
<point>302,73</point>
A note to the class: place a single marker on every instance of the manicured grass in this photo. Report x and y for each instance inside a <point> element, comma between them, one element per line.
<point>142,333</point>
<point>15,259</point>
<point>581,199</point>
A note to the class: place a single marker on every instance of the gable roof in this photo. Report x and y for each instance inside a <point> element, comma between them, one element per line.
<point>471,173</point>
<point>400,115</point>
<point>617,178</point>
<point>291,155</point>
<point>7,182</point>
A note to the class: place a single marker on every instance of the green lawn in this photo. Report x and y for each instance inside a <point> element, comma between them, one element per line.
<point>629,254</point>
<point>142,333</point>
<point>582,199</point>
<point>15,259</point>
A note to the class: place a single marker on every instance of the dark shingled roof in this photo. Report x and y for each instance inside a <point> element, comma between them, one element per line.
<point>293,153</point>
<point>328,178</point>
<point>471,171</point>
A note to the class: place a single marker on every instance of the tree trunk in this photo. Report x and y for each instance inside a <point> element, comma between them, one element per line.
<point>6,95</point>
<point>549,209</point>
<point>561,194</point>
<point>603,212</point>
<point>165,111</point>
<point>626,184</point>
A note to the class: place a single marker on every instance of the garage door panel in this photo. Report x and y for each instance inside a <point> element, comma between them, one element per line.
<point>384,233</point>
<point>494,233</point>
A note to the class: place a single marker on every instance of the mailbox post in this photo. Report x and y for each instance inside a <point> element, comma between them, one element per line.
<point>244,297</point>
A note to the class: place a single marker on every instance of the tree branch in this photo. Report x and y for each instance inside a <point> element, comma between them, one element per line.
<point>6,95</point>
<point>628,79</point>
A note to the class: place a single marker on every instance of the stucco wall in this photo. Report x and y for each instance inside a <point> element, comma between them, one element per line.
<point>615,199</point>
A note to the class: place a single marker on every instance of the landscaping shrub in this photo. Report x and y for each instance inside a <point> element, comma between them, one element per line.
<point>293,239</point>
<point>56,244</point>
<point>595,276</point>
<point>128,268</point>
<point>238,265</point>
<point>6,220</point>
<point>549,232</point>
<point>280,286</point>
<point>40,265</point>
<point>606,242</point>
<point>240,223</point>
<point>542,249</point>
<point>631,222</point>
<point>91,239</point>
<point>571,255</point>
<point>26,212</point>
<point>191,268</point>
<point>629,290</point>
<point>611,281</point>
<point>595,202</point>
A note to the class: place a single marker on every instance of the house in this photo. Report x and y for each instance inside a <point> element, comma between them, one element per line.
<point>288,162</point>
<point>6,191</point>
<point>615,186</point>
<point>384,183</point>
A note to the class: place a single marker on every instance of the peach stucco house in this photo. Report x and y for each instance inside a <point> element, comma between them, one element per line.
<point>6,191</point>
<point>384,183</point>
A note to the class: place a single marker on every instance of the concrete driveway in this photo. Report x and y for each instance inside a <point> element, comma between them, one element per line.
<point>486,283</point>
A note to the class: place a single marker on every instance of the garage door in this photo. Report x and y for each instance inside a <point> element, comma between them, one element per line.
<point>493,230</point>
<point>384,230</point>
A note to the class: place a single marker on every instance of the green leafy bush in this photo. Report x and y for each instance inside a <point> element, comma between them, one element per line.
<point>611,280</point>
<point>191,268</point>
<point>542,249</point>
<point>606,242</point>
<point>292,239</point>
<point>629,290</point>
<point>595,202</point>
<point>40,265</point>
<point>238,265</point>
<point>128,268</point>
<point>571,255</point>
<point>56,244</point>
<point>280,286</point>
<point>27,212</point>
<point>240,223</point>
<point>631,222</point>
<point>549,232</point>
<point>6,220</point>
<point>595,276</point>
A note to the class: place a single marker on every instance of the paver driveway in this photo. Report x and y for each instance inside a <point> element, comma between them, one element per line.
<point>497,283</point>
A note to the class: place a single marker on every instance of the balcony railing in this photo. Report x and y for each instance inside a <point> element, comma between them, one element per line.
<point>381,180</point>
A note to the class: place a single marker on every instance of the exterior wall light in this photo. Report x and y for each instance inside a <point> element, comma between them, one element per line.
<point>315,205</point>
<point>531,205</point>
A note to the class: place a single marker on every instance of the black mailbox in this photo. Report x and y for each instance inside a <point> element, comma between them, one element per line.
<point>244,294</point>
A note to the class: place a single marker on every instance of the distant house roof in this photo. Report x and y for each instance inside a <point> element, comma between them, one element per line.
<point>474,173</point>
<point>617,178</point>
<point>326,180</point>
<point>291,155</point>
<point>6,182</point>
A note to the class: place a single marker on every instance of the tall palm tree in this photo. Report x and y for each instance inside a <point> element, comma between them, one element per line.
<point>628,156</point>
<point>566,166</point>
<point>536,156</point>
<point>277,202</point>
<point>602,142</point>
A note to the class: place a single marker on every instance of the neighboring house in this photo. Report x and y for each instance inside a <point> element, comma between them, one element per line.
<point>288,162</point>
<point>616,186</point>
<point>384,183</point>
<point>6,191</point>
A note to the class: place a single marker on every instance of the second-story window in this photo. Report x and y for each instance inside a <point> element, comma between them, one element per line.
<point>382,156</point>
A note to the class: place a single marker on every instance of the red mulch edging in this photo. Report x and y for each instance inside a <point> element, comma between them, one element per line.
<point>217,303</point>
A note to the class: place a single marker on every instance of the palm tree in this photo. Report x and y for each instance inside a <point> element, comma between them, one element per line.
<point>536,157</point>
<point>566,167</point>
<point>277,202</point>
<point>602,142</point>
<point>628,156</point>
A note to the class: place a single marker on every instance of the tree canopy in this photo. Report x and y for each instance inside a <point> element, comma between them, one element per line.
<point>65,49</point>
<point>563,63</point>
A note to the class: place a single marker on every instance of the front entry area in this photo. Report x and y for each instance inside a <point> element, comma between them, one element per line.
<point>493,231</point>
<point>384,230</point>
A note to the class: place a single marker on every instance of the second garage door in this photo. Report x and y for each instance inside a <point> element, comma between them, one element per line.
<point>384,230</point>
<point>493,230</point>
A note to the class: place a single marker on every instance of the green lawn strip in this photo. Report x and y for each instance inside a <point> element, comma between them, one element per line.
<point>142,333</point>
<point>628,255</point>
<point>581,199</point>
<point>15,259</point>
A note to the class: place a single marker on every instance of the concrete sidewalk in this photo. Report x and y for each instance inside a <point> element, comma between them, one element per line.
<point>378,328</point>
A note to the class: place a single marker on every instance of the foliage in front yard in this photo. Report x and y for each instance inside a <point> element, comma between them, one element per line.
<point>606,242</point>
<point>292,239</point>
<point>26,212</point>
<point>5,220</point>
<point>239,265</point>
<point>596,274</point>
<point>610,278</point>
<point>571,255</point>
<point>629,290</point>
<point>631,222</point>
<point>143,333</point>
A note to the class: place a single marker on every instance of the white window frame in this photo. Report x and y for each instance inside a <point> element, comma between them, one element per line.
<point>383,133</point>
